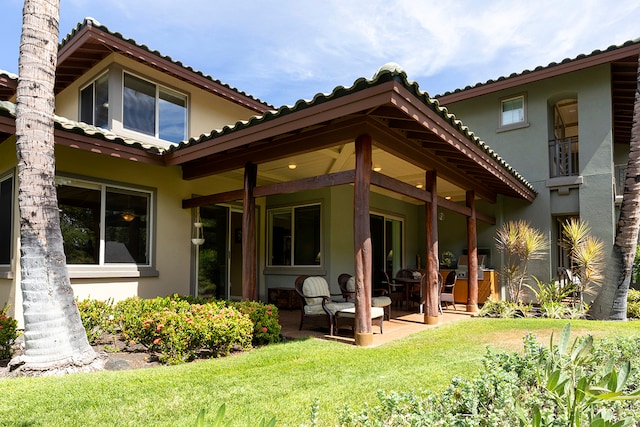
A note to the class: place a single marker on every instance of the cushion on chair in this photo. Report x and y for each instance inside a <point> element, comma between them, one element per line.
<point>380,301</point>
<point>351,284</point>
<point>376,312</point>
<point>333,307</point>
<point>315,286</point>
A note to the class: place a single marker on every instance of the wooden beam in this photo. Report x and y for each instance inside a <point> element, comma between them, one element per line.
<point>212,199</point>
<point>388,183</point>
<point>472,251</point>
<point>362,242</point>
<point>431,291</point>
<point>249,247</point>
<point>305,184</point>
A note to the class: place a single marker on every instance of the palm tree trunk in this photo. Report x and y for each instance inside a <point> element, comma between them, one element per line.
<point>611,302</point>
<point>55,339</point>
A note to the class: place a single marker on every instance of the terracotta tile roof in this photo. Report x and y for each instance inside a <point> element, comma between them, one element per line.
<point>385,74</point>
<point>551,66</point>
<point>8,109</point>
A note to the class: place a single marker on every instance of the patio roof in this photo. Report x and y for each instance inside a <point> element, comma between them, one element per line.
<point>401,119</point>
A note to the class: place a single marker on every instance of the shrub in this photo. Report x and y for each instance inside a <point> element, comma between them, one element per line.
<point>563,385</point>
<point>266,328</point>
<point>8,332</point>
<point>504,309</point>
<point>97,318</point>
<point>633,304</point>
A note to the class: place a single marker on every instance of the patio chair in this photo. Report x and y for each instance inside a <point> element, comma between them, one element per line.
<point>348,287</point>
<point>394,290</point>
<point>377,314</point>
<point>446,291</point>
<point>316,302</point>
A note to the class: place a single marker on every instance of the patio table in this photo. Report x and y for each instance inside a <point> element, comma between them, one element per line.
<point>408,283</point>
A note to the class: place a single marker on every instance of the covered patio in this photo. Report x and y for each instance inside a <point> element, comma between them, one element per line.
<point>384,120</point>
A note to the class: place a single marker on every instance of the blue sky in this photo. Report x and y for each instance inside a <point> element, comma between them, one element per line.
<point>282,51</point>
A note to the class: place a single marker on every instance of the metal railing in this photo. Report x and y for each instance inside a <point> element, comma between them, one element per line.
<point>563,157</point>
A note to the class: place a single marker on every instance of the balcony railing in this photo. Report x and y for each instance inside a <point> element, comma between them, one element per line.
<point>563,157</point>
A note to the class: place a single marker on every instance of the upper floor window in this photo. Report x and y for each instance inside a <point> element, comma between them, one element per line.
<point>513,111</point>
<point>6,215</point>
<point>294,238</point>
<point>147,108</point>
<point>154,110</point>
<point>104,224</point>
<point>94,102</point>
<point>564,142</point>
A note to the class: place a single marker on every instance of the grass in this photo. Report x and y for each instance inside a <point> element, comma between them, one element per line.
<point>279,380</point>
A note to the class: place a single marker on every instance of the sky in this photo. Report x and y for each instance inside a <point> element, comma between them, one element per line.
<point>282,51</point>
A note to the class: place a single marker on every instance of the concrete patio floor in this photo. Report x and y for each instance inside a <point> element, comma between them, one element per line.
<point>402,324</point>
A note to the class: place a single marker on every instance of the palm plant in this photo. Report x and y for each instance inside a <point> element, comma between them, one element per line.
<point>586,254</point>
<point>520,243</point>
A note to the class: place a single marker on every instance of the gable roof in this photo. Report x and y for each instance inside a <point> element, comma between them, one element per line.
<point>401,118</point>
<point>90,42</point>
<point>8,85</point>
<point>623,61</point>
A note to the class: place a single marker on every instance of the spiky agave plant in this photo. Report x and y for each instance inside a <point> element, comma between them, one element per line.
<point>520,243</point>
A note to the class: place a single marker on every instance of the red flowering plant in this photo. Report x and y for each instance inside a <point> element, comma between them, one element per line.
<point>266,327</point>
<point>8,332</point>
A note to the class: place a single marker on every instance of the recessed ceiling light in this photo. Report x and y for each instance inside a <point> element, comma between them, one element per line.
<point>292,166</point>
<point>377,168</point>
<point>447,197</point>
<point>418,185</point>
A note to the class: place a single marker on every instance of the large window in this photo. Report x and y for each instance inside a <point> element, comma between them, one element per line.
<point>6,215</point>
<point>94,102</point>
<point>294,238</point>
<point>125,213</point>
<point>154,110</point>
<point>513,111</point>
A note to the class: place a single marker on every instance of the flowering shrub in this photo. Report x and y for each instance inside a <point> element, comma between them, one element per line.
<point>633,304</point>
<point>266,328</point>
<point>8,332</point>
<point>97,318</point>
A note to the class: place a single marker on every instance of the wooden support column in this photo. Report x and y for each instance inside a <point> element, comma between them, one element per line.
<point>249,253</point>
<point>472,250</point>
<point>362,242</point>
<point>431,292</point>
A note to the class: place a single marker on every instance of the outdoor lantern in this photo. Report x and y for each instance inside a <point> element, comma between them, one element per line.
<point>198,232</point>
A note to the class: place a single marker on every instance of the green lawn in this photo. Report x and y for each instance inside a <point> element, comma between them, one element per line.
<point>278,380</point>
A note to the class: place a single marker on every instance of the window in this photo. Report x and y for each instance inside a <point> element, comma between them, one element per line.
<point>512,111</point>
<point>294,238</point>
<point>6,215</point>
<point>94,102</point>
<point>85,205</point>
<point>154,110</point>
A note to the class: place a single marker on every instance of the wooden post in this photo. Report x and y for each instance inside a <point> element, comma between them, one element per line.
<point>249,254</point>
<point>431,292</point>
<point>472,251</point>
<point>362,241</point>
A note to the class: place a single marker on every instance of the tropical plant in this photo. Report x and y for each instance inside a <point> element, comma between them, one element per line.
<point>521,244</point>
<point>54,336</point>
<point>586,254</point>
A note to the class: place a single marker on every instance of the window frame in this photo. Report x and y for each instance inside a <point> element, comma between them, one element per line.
<point>270,235</point>
<point>159,88</point>
<point>5,269</point>
<point>92,84</point>
<point>115,269</point>
<point>516,124</point>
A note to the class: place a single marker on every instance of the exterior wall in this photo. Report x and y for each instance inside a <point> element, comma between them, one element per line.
<point>526,150</point>
<point>206,111</point>
<point>337,229</point>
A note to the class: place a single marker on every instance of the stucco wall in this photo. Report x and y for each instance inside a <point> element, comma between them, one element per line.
<point>526,150</point>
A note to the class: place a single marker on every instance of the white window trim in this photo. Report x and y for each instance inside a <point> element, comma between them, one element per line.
<point>517,125</point>
<point>292,209</point>
<point>103,269</point>
<point>158,86</point>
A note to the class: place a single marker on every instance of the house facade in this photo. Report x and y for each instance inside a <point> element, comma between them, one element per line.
<point>170,181</point>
